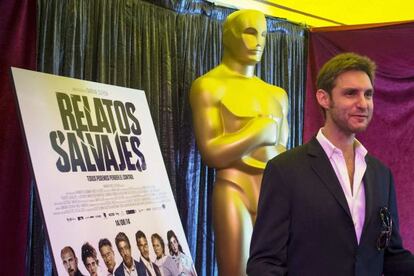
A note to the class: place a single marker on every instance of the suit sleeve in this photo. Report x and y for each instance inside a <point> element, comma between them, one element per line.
<point>397,260</point>
<point>268,248</point>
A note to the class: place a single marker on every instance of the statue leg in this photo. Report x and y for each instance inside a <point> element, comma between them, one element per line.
<point>233,228</point>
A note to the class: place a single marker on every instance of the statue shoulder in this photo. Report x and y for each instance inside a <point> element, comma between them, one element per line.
<point>279,94</point>
<point>208,89</point>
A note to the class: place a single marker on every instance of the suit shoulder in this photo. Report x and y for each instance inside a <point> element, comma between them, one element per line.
<point>140,266</point>
<point>119,270</point>
<point>376,163</point>
<point>292,155</point>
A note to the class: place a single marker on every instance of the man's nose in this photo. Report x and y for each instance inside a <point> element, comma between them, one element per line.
<point>362,102</point>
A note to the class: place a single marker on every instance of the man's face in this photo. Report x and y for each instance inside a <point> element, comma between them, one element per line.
<point>92,266</point>
<point>247,40</point>
<point>143,247</point>
<point>350,106</point>
<point>174,245</point>
<point>70,262</point>
<point>157,248</point>
<point>108,256</point>
<point>125,252</point>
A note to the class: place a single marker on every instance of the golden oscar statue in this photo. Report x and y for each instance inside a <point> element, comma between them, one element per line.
<point>240,123</point>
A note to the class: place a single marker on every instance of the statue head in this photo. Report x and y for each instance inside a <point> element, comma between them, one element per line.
<point>244,36</point>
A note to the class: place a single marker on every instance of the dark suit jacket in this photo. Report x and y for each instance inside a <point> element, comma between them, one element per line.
<point>78,273</point>
<point>141,270</point>
<point>156,269</point>
<point>304,226</point>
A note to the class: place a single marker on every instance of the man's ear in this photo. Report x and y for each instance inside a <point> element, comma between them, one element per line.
<point>323,98</point>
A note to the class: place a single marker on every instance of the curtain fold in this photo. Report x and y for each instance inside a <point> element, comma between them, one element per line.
<point>17,48</point>
<point>162,48</point>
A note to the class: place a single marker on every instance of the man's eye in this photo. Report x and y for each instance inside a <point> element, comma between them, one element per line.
<point>369,94</point>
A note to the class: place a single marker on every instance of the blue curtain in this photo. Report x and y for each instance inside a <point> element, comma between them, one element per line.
<point>161,47</point>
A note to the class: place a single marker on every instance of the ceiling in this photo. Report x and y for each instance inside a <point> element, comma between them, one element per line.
<point>324,13</point>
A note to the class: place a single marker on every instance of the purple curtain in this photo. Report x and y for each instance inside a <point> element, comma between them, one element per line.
<point>390,137</point>
<point>17,48</point>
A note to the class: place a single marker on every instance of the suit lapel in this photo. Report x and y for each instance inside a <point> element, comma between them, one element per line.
<point>323,168</point>
<point>369,186</point>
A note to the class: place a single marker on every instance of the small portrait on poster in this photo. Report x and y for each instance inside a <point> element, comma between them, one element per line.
<point>125,254</point>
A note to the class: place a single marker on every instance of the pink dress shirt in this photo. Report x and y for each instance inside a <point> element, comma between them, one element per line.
<point>356,197</point>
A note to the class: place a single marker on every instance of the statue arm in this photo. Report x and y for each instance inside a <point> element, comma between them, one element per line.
<point>220,149</point>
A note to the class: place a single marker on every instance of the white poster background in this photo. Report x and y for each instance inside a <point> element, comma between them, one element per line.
<point>81,207</point>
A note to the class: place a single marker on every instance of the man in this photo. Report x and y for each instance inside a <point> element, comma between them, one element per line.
<point>142,243</point>
<point>90,259</point>
<point>128,267</point>
<point>70,261</point>
<point>165,263</point>
<point>107,253</point>
<point>184,262</point>
<point>328,207</point>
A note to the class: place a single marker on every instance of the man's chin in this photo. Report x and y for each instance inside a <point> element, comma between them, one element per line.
<point>360,125</point>
<point>128,264</point>
<point>360,128</point>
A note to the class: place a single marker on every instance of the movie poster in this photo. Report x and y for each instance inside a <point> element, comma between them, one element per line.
<point>100,176</point>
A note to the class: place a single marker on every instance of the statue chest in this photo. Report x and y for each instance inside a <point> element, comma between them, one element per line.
<point>251,103</point>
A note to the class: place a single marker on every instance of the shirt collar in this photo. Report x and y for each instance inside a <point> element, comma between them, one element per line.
<point>147,263</point>
<point>330,148</point>
<point>108,273</point>
<point>132,267</point>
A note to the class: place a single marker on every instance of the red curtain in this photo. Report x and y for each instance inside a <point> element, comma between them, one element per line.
<point>390,137</point>
<point>17,48</point>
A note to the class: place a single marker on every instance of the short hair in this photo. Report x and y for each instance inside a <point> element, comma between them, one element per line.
<point>88,251</point>
<point>139,234</point>
<point>104,242</point>
<point>342,63</point>
<point>67,248</point>
<point>155,236</point>
<point>121,236</point>
<point>171,234</point>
